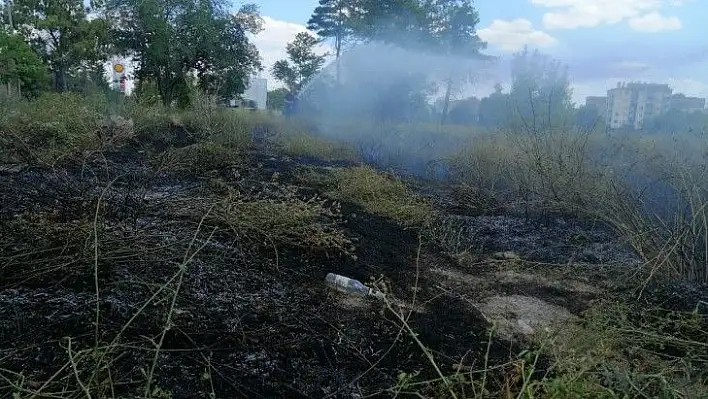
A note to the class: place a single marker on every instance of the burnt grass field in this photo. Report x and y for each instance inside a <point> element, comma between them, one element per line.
<point>181,273</point>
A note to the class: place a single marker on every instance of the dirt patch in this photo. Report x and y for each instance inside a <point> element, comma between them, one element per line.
<point>523,317</point>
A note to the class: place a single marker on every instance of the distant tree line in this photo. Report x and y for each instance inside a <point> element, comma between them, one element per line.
<point>177,45</point>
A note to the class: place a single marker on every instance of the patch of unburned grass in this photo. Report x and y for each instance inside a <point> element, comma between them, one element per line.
<point>284,220</point>
<point>56,126</point>
<point>310,146</point>
<point>380,194</point>
<point>198,159</point>
<point>625,351</point>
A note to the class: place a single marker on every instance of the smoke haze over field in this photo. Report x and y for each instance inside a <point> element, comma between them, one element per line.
<point>615,42</point>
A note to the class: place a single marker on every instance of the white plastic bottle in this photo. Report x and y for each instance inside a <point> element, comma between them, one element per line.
<point>347,285</point>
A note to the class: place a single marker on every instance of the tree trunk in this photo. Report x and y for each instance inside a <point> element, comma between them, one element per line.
<point>59,80</point>
<point>338,48</point>
<point>446,102</point>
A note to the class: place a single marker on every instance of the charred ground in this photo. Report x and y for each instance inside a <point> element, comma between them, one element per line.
<point>186,270</point>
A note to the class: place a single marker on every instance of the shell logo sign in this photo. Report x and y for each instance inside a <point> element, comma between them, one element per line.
<point>119,72</point>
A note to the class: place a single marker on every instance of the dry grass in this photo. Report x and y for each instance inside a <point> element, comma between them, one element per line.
<point>653,192</point>
<point>380,194</point>
<point>310,225</point>
<point>310,146</point>
<point>198,159</point>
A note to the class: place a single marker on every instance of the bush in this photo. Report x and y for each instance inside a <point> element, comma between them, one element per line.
<point>648,352</point>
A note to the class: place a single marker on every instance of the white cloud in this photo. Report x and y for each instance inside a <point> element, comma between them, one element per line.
<point>271,42</point>
<point>689,87</point>
<point>654,22</point>
<point>641,15</point>
<point>515,34</point>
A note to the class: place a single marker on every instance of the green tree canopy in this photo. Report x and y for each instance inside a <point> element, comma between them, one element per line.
<point>62,34</point>
<point>302,63</point>
<point>334,19</point>
<point>540,96</point>
<point>21,70</point>
<point>276,99</point>
<point>173,40</point>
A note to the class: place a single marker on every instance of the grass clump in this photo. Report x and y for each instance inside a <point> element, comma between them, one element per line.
<point>625,350</point>
<point>380,194</point>
<point>55,126</point>
<point>285,220</point>
<point>198,159</point>
<point>310,146</point>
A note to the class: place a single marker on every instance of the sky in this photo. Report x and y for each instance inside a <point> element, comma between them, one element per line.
<point>602,42</point>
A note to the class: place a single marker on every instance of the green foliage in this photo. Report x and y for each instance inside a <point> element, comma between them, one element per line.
<point>588,117</point>
<point>540,96</point>
<point>626,350</point>
<point>332,19</point>
<point>55,126</point>
<point>69,42</point>
<point>21,70</point>
<point>493,110</point>
<point>172,39</point>
<point>380,194</point>
<point>465,112</point>
<point>311,225</point>
<point>228,127</point>
<point>302,64</point>
<point>675,121</point>
<point>276,99</point>
<point>399,22</point>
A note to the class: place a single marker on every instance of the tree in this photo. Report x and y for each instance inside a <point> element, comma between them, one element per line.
<point>676,121</point>
<point>465,112</point>
<point>588,117</point>
<point>302,64</point>
<point>493,110</point>
<point>442,28</point>
<point>540,94</point>
<point>276,99</point>
<point>174,40</point>
<point>397,22</point>
<point>450,31</point>
<point>332,19</point>
<point>60,32</point>
<point>21,70</point>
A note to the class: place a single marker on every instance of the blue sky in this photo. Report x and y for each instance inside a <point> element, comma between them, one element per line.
<point>601,41</point>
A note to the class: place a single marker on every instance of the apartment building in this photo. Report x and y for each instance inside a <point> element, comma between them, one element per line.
<point>684,103</point>
<point>630,104</point>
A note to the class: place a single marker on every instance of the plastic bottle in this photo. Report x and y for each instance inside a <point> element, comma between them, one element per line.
<point>349,286</point>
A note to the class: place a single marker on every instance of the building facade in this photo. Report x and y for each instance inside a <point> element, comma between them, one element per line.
<point>683,103</point>
<point>630,104</point>
<point>257,91</point>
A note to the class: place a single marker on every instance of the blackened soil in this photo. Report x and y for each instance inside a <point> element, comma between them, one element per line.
<point>246,318</point>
